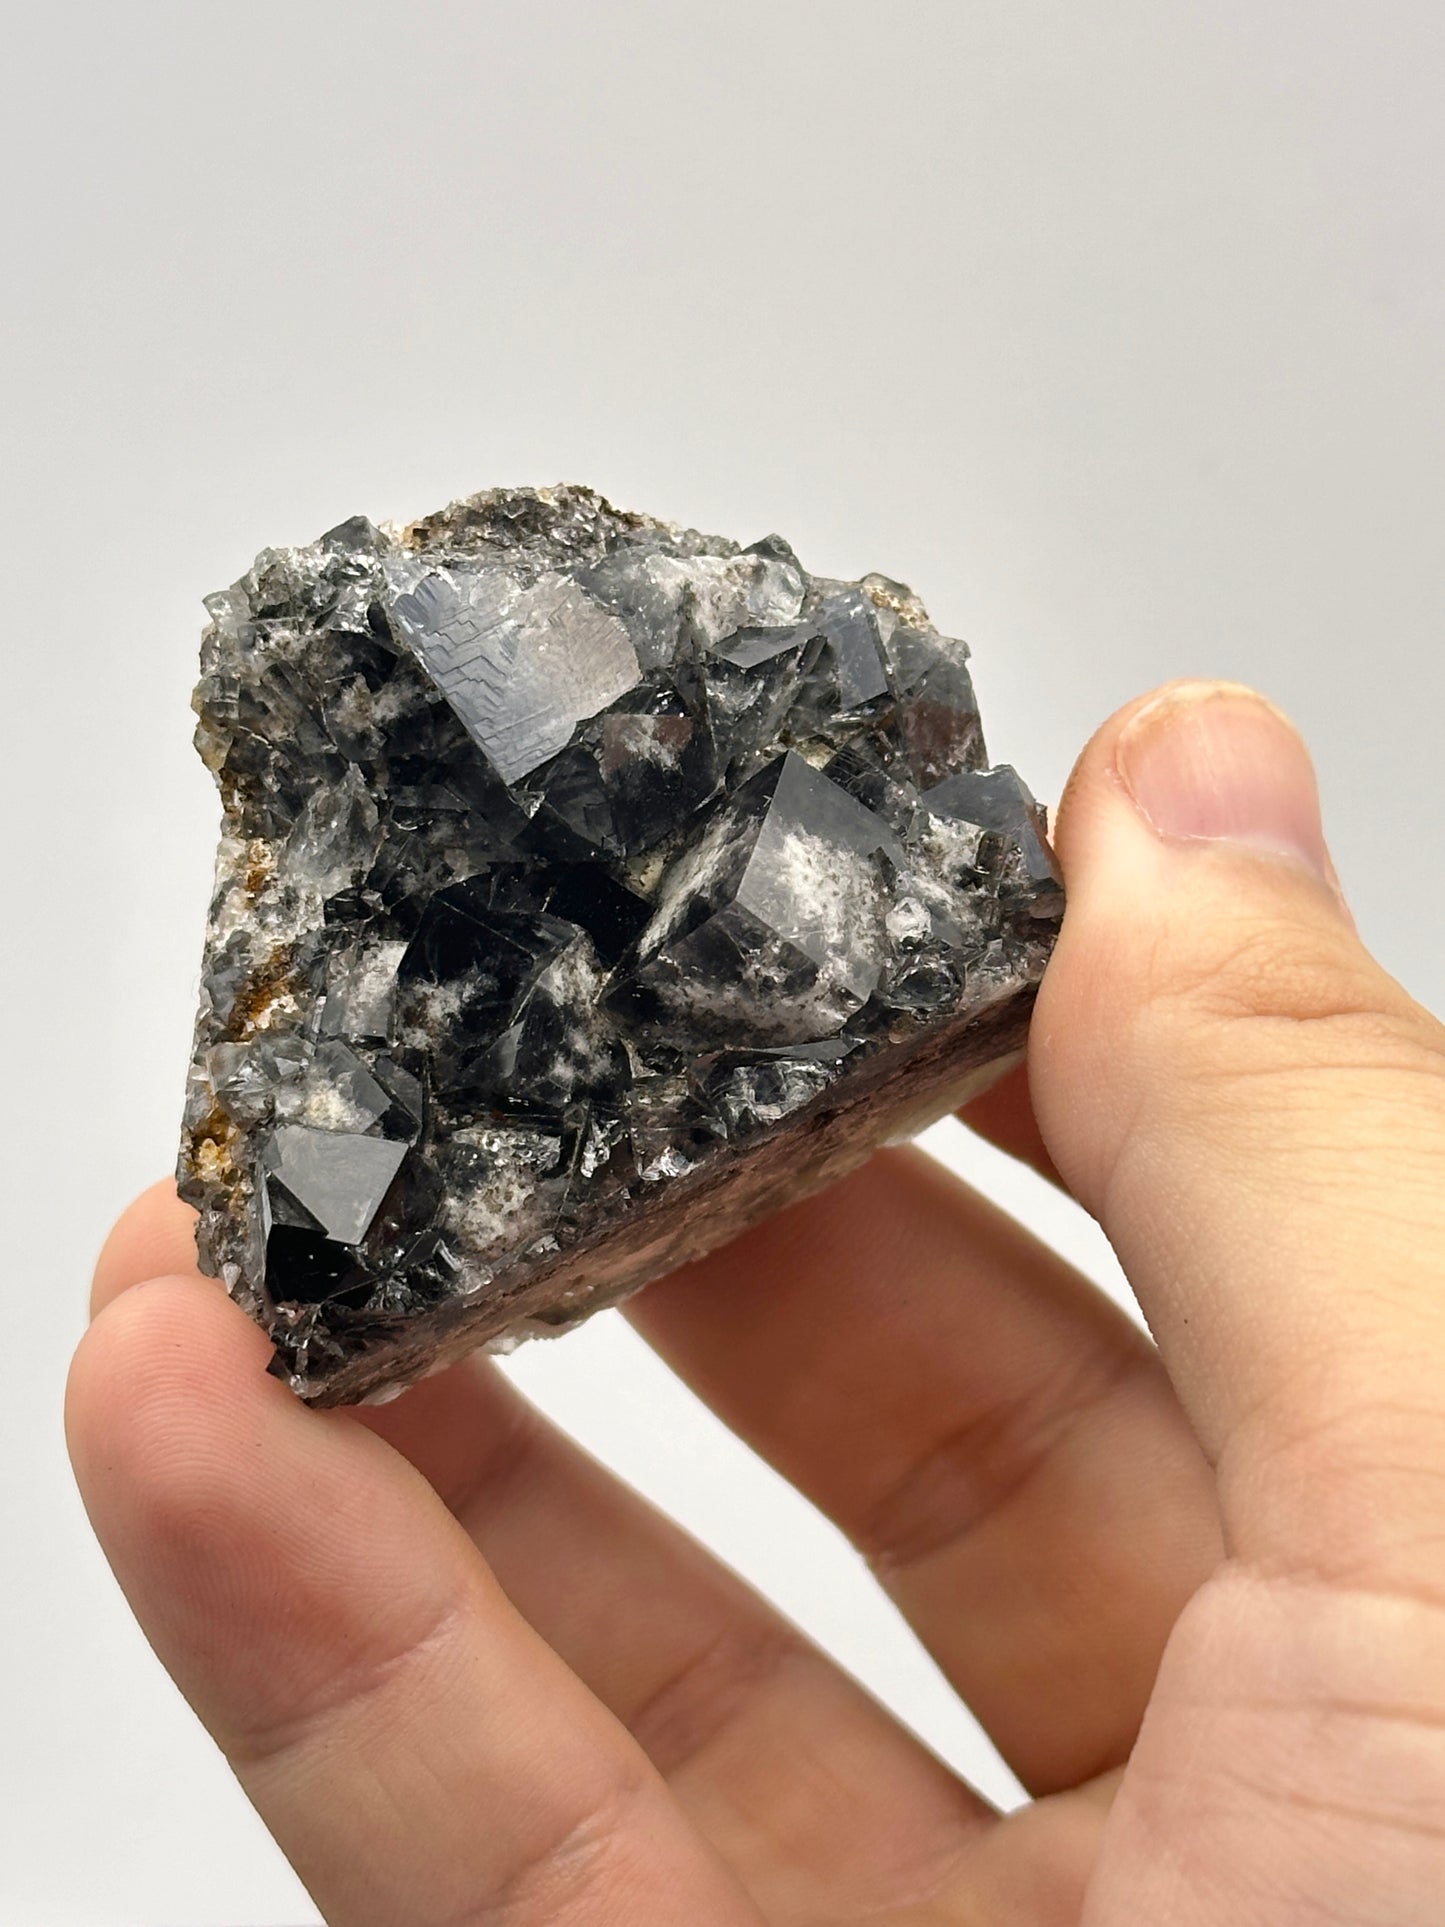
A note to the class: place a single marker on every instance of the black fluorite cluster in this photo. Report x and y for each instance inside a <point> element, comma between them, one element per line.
<point>587,886</point>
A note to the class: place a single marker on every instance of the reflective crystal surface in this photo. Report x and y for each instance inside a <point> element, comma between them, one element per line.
<point>587,887</point>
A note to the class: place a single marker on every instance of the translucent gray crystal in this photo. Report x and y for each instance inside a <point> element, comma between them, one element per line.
<point>521,665</point>
<point>338,1179</point>
<point>587,887</point>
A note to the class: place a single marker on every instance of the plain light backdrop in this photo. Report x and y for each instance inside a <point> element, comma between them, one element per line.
<point>1115,330</point>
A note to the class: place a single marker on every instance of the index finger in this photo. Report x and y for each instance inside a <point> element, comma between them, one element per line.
<point>420,1754</point>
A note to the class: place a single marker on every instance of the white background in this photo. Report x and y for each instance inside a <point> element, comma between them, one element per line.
<point>1114,329</point>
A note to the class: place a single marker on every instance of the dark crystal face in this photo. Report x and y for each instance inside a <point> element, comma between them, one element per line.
<point>571,861</point>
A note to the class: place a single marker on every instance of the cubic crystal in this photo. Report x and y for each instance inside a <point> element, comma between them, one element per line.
<point>587,888</point>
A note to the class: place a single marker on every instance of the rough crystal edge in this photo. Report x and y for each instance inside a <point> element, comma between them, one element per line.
<point>905,1090</point>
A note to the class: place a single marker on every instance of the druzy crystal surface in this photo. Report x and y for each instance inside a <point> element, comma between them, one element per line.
<point>587,887</point>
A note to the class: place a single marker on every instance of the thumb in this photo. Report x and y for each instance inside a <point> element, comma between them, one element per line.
<point>1256,1112</point>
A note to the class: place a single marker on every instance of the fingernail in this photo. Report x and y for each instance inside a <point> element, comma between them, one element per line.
<point>1216,763</point>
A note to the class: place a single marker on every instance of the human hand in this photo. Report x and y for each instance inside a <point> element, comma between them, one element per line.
<point>1196,1595</point>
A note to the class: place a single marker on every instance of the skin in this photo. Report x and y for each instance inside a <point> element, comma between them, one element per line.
<point>1194,1587</point>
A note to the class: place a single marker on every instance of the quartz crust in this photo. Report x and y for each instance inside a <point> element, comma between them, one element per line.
<point>587,887</point>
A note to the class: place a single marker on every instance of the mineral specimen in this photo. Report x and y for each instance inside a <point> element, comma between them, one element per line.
<point>587,888</point>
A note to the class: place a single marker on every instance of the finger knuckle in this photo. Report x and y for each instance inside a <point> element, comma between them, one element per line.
<point>1344,1482</point>
<point>1253,994</point>
<point>965,1479</point>
<point>713,1690</point>
<point>1321,1705</point>
<point>1250,966</point>
<point>361,1687</point>
<point>568,1871</point>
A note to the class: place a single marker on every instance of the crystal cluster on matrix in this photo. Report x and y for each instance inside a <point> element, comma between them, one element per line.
<point>587,887</point>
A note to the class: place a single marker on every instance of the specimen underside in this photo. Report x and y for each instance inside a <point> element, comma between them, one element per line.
<point>587,888</point>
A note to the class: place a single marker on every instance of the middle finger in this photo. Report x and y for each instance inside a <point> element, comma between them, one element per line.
<point>984,1424</point>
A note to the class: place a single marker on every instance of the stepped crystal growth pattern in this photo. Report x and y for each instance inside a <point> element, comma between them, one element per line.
<point>587,887</point>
